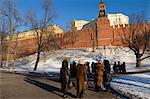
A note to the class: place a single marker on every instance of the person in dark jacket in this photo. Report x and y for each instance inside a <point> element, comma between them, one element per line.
<point>88,68</point>
<point>106,74</point>
<point>123,68</point>
<point>65,77</point>
<point>118,67</point>
<point>115,67</point>
<point>73,71</point>
<point>81,78</point>
<point>92,66</point>
<point>107,66</point>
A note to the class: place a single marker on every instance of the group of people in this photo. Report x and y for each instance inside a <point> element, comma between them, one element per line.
<point>119,68</point>
<point>78,75</point>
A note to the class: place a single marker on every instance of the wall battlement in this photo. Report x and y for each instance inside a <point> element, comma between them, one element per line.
<point>120,26</point>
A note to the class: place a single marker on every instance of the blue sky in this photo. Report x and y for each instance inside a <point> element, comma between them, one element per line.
<point>68,10</point>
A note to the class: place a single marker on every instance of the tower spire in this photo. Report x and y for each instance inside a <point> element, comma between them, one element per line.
<point>102,1</point>
<point>102,9</point>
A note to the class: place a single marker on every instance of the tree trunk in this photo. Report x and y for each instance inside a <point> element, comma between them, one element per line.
<point>138,60</point>
<point>2,59</point>
<point>7,60</point>
<point>37,61</point>
<point>1,64</point>
<point>14,64</point>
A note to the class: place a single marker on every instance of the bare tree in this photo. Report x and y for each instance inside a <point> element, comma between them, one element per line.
<point>136,37</point>
<point>40,27</point>
<point>9,12</point>
<point>3,40</point>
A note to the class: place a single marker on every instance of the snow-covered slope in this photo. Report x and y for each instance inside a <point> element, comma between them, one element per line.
<point>51,62</point>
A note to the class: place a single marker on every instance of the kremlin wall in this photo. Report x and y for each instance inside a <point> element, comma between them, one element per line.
<point>99,32</point>
<point>96,33</point>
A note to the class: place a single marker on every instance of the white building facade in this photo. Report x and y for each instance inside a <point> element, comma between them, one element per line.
<point>78,24</point>
<point>115,19</point>
<point>118,19</point>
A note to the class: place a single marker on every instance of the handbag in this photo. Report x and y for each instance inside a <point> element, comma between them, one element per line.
<point>85,85</point>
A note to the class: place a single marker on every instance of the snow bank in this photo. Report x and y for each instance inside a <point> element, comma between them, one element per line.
<point>51,62</point>
<point>133,86</point>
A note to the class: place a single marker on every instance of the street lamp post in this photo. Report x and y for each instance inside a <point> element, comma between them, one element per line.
<point>105,50</point>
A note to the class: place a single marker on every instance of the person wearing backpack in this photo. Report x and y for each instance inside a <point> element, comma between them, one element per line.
<point>65,77</point>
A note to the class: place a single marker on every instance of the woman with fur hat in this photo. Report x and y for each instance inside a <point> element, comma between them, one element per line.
<point>81,78</point>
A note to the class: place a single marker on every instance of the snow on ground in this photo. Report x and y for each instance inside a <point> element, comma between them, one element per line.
<point>51,62</point>
<point>135,86</point>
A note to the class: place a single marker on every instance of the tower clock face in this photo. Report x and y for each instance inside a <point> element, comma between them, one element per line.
<point>102,13</point>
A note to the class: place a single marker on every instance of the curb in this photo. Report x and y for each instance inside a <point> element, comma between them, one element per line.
<point>136,72</point>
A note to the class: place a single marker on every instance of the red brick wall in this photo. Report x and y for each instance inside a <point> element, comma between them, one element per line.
<point>84,39</point>
<point>106,36</point>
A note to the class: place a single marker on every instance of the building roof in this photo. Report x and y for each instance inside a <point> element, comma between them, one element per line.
<point>90,24</point>
<point>117,14</point>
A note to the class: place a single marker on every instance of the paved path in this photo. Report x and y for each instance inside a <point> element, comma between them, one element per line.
<point>16,86</point>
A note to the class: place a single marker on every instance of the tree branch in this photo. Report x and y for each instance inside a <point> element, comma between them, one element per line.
<point>145,58</point>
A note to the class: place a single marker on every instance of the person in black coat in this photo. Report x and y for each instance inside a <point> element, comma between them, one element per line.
<point>92,66</point>
<point>106,74</point>
<point>65,77</point>
<point>119,69</point>
<point>73,71</point>
<point>88,68</point>
<point>123,68</point>
<point>115,67</point>
<point>107,66</point>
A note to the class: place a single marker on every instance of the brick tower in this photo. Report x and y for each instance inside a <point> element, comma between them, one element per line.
<point>104,31</point>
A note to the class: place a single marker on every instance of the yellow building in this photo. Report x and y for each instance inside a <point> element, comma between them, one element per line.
<point>53,29</point>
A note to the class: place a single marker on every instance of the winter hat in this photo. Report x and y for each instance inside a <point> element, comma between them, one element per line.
<point>81,61</point>
<point>71,61</point>
<point>101,61</point>
<point>106,58</point>
<point>65,58</point>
